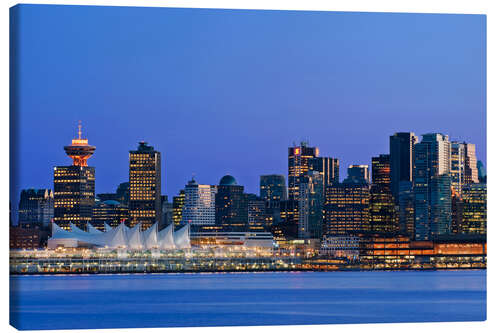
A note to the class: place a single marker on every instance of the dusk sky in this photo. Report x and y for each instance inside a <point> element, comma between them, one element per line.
<point>227,91</point>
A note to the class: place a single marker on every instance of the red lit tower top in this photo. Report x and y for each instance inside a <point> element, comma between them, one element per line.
<point>79,150</point>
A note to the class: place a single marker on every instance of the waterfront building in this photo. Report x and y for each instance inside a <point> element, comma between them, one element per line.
<point>199,204</point>
<point>273,189</point>
<point>299,163</point>
<point>109,212</point>
<point>231,205</point>
<point>358,174</point>
<point>74,186</point>
<point>474,209</point>
<point>27,238</point>
<point>344,246</point>
<point>346,209</point>
<point>383,218</point>
<point>36,207</point>
<point>402,159</point>
<point>145,185</point>
<point>247,240</point>
<point>432,187</point>
<point>310,205</point>
<point>177,207</point>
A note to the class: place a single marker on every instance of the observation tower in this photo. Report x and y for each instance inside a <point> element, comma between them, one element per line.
<point>79,150</point>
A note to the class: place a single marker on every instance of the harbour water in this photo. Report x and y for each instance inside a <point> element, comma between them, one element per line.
<point>224,299</point>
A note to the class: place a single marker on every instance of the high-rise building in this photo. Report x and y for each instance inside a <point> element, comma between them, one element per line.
<point>145,186</point>
<point>481,172</point>
<point>463,165</point>
<point>383,218</point>
<point>110,212</point>
<point>258,217</point>
<point>406,209</point>
<point>474,209</point>
<point>299,163</point>
<point>346,209</point>
<point>231,206</point>
<point>177,207</point>
<point>36,207</point>
<point>310,205</point>
<point>199,204</point>
<point>358,174</point>
<point>74,186</point>
<point>432,187</point>
<point>273,189</point>
<point>288,224</point>
<point>402,159</point>
<point>470,164</point>
<point>328,168</point>
<point>121,195</point>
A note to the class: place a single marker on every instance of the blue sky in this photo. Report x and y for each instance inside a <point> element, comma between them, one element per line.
<point>227,91</point>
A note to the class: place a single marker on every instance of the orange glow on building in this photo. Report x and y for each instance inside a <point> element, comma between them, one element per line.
<point>79,150</point>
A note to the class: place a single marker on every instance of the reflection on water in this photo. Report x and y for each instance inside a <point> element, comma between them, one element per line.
<point>212,299</point>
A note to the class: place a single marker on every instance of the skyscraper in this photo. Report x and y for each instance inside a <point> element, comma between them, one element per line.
<point>145,186</point>
<point>199,204</point>
<point>74,186</point>
<point>406,211</point>
<point>310,205</point>
<point>481,172</point>
<point>258,217</point>
<point>470,164</point>
<point>432,186</point>
<point>346,209</point>
<point>402,157</point>
<point>177,207</point>
<point>463,165</point>
<point>383,217</point>
<point>299,162</point>
<point>231,205</point>
<point>272,189</point>
<point>474,209</point>
<point>36,207</point>
<point>110,212</point>
<point>358,174</point>
<point>328,168</point>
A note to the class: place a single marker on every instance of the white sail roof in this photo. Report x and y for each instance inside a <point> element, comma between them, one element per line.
<point>150,237</point>
<point>92,230</point>
<point>135,237</point>
<point>107,227</point>
<point>166,238</point>
<point>181,238</point>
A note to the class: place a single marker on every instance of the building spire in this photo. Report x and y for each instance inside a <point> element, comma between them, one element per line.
<point>79,129</point>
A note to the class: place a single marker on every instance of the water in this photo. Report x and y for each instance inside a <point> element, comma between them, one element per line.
<point>222,299</point>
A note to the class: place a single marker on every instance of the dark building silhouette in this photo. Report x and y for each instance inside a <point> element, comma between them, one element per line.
<point>310,205</point>
<point>357,174</point>
<point>481,172</point>
<point>258,217</point>
<point>402,159</point>
<point>231,205</point>
<point>328,168</point>
<point>273,189</point>
<point>122,194</point>
<point>74,186</point>
<point>145,186</point>
<point>36,207</point>
<point>406,211</point>
<point>111,212</point>
<point>289,219</point>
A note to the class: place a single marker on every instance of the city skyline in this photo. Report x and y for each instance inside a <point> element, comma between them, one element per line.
<point>203,96</point>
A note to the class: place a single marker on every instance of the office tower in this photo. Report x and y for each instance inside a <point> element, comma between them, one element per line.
<point>231,206</point>
<point>36,207</point>
<point>457,212</point>
<point>74,186</point>
<point>481,172</point>
<point>121,195</point>
<point>457,167</point>
<point>432,187</point>
<point>470,164</point>
<point>272,189</point>
<point>310,205</point>
<point>111,212</point>
<point>402,159</point>
<point>288,224</point>
<point>199,204</point>
<point>166,212</point>
<point>346,209</point>
<point>406,209</point>
<point>358,174</point>
<point>258,218</point>
<point>474,209</point>
<point>383,217</point>
<point>299,162</point>
<point>145,186</point>
<point>328,168</point>
<point>177,207</point>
